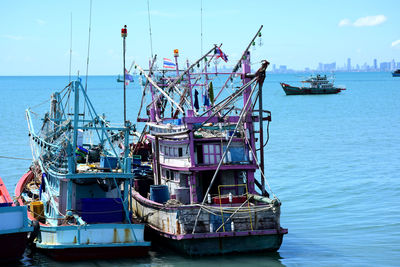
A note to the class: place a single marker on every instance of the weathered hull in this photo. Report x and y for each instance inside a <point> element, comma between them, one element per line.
<point>212,244</point>
<point>96,252</point>
<point>92,241</point>
<point>292,90</point>
<point>395,74</point>
<point>173,226</point>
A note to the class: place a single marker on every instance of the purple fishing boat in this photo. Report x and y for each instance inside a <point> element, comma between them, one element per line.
<point>207,192</point>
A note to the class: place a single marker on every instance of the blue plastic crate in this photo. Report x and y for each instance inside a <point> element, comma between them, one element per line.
<point>101,210</point>
<point>108,162</point>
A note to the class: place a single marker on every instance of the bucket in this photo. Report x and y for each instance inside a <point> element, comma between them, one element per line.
<point>37,210</point>
<point>183,195</point>
<point>159,193</point>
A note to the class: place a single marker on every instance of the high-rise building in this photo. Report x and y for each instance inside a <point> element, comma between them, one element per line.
<point>348,64</point>
<point>385,66</point>
<point>375,64</point>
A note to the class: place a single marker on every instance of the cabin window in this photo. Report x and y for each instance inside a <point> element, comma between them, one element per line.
<point>180,152</point>
<point>211,153</point>
<point>237,153</point>
<point>167,174</point>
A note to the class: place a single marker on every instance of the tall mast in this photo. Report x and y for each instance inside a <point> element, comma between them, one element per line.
<point>124,33</point>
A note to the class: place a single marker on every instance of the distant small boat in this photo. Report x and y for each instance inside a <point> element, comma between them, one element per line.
<point>119,79</point>
<point>317,85</point>
<point>14,227</point>
<point>396,73</point>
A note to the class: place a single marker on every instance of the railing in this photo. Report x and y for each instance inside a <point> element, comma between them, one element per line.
<point>230,217</point>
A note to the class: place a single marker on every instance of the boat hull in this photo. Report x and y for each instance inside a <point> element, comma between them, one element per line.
<point>173,227</point>
<point>12,246</point>
<point>396,74</point>
<point>240,242</point>
<point>14,227</point>
<point>95,252</point>
<point>292,90</point>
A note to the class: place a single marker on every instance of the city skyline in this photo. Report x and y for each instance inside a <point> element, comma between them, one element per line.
<point>348,66</point>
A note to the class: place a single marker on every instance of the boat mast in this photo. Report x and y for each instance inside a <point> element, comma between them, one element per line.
<point>261,76</point>
<point>124,33</point>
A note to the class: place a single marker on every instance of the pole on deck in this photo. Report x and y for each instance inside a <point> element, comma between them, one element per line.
<point>261,76</point>
<point>124,34</point>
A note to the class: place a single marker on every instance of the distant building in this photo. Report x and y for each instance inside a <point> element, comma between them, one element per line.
<point>398,65</point>
<point>282,68</point>
<point>329,67</point>
<point>274,67</point>
<point>348,64</point>
<point>375,64</point>
<point>320,67</point>
<point>393,65</point>
<point>384,66</point>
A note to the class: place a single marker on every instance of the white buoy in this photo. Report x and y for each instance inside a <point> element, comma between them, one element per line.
<point>211,227</point>
<point>250,156</point>
<point>230,197</point>
<point>232,227</point>
<point>209,198</point>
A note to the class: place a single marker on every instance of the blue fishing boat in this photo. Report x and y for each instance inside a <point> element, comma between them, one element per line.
<point>14,227</point>
<point>316,85</point>
<point>207,193</point>
<point>396,73</point>
<point>78,185</point>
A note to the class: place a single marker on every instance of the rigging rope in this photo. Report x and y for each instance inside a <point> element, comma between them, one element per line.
<point>8,157</point>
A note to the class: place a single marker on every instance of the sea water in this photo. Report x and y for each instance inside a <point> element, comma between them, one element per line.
<point>332,160</point>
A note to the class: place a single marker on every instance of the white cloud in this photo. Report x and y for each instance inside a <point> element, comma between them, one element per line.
<point>364,21</point>
<point>40,22</point>
<point>396,43</point>
<point>370,21</point>
<point>13,37</point>
<point>344,22</point>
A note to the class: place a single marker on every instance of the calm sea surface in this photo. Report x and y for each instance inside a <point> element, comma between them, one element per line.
<point>333,160</point>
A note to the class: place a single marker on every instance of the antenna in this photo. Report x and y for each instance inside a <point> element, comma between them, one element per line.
<point>151,40</point>
<point>87,62</point>
<point>201,27</point>
<point>70,53</point>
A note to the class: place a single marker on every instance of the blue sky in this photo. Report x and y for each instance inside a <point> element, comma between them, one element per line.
<point>35,35</point>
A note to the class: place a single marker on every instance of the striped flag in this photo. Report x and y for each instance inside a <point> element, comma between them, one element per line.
<point>168,64</point>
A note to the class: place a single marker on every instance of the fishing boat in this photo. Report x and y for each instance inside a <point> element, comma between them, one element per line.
<point>207,193</point>
<point>316,85</point>
<point>396,73</point>
<point>14,227</point>
<point>78,185</point>
<point>119,79</point>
